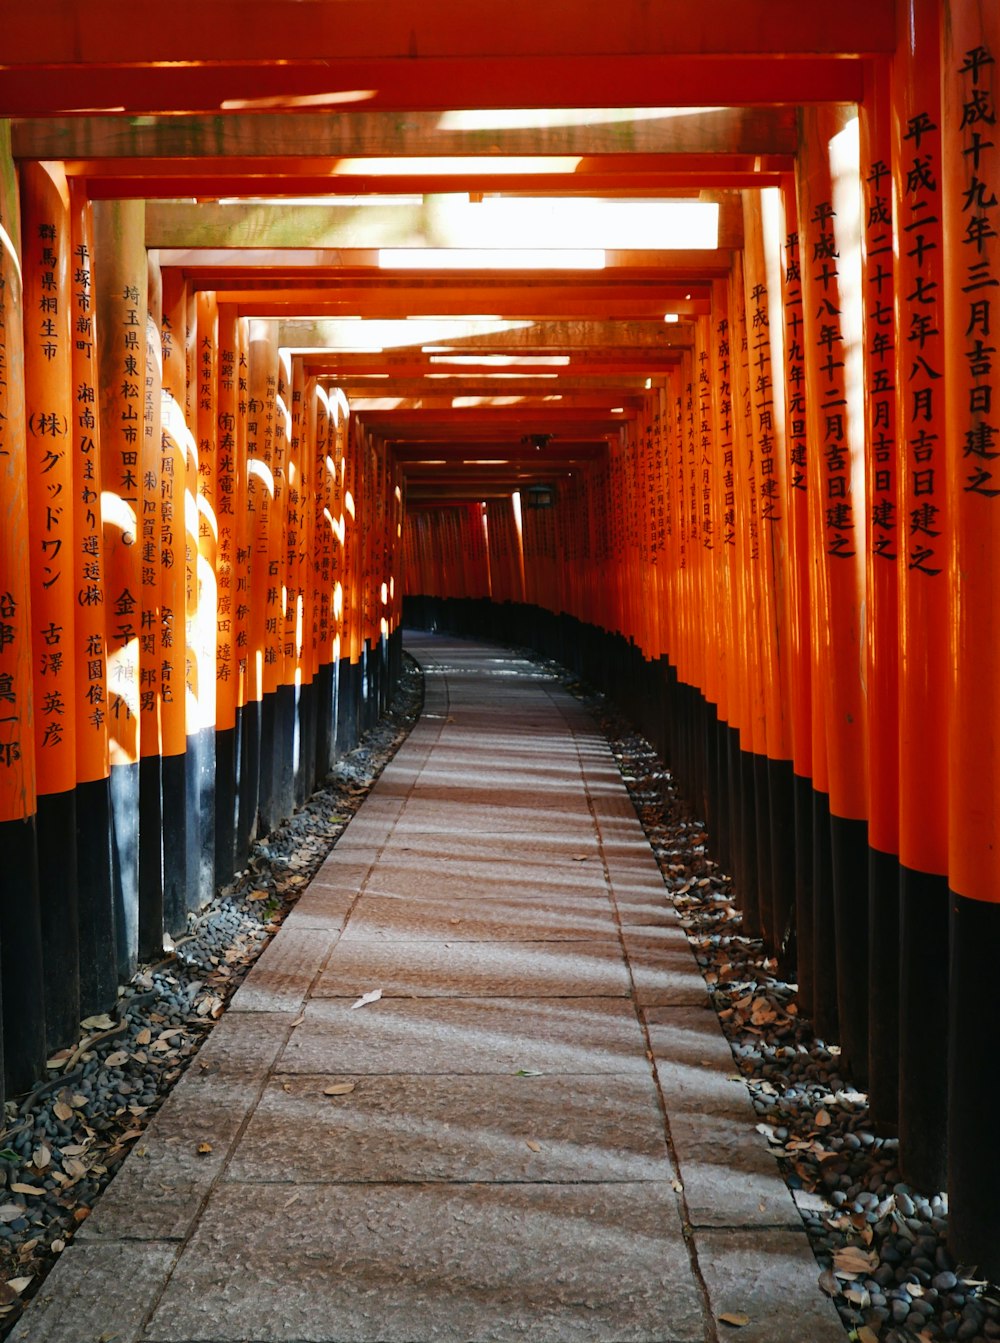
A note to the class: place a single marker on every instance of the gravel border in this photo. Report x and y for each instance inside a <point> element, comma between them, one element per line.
<point>880,1245</point>
<point>63,1142</point>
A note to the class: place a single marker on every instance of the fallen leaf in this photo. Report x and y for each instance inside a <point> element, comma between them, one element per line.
<point>10,1212</point>
<point>366,998</point>
<point>828,1283</point>
<point>81,1214</point>
<point>144,1036</point>
<point>300,1018</point>
<point>258,895</point>
<point>580,857</point>
<point>853,1260</point>
<point>866,1335</point>
<point>529,1072</point>
<point>534,1146</point>
<point>116,1059</point>
<point>62,1111</point>
<point>822,1118</point>
<point>204,1148</point>
<point>26,1189</point>
<point>735,1319</point>
<point>41,1156</point>
<point>58,1246</point>
<point>102,1022</point>
<point>340,1089</point>
<point>19,1284</point>
<point>676,1186</point>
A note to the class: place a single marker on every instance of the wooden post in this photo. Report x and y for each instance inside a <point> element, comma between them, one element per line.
<point>47,247</point>
<point>95,881</point>
<point>20,920</point>
<point>969,192</point>
<point>176,446</point>
<point>924,540</point>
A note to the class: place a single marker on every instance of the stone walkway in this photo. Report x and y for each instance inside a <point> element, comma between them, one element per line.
<point>537,1132</point>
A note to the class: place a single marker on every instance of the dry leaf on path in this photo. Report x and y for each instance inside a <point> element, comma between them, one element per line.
<point>340,1089</point>
<point>734,1318</point>
<point>62,1111</point>
<point>204,1148</point>
<point>534,1146</point>
<point>366,998</point>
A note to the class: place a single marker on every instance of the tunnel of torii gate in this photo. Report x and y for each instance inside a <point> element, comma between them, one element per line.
<point>659,335</point>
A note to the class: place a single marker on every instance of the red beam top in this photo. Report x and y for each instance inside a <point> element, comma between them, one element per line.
<point>204,56</point>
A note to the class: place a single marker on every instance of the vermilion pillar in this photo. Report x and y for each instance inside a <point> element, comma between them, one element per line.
<point>95,885</point>
<point>829,218</point>
<point>121,280</point>
<point>969,199</point>
<point>20,932</point>
<point>885,530</point>
<point>46,249</point>
<point>924,546</point>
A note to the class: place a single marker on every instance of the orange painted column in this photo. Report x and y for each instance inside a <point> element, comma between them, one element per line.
<point>228,475</point>
<point>151,831</point>
<point>924,542</point>
<point>885,532</point>
<point>46,259</point>
<point>247,720</point>
<point>970,191</point>
<point>774,776</point>
<point>262,517</point>
<point>277,795</point>
<point>322,578</point>
<point>830,224</point>
<point>799,588</point>
<point>95,884</point>
<point>725,831</point>
<point>20,928</point>
<point>120,286</point>
<point>203,601</point>
<point>176,445</point>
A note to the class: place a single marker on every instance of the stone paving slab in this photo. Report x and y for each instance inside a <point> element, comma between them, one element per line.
<point>404,871</point>
<point>584,969</point>
<point>158,1191</point>
<point>772,1277</point>
<point>281,977</point>
<point>466,1035</point>
<point>320,907</point>
<point>81,1300</point>
<point>490,919</point>
<point>459,1264</point>
<point>486,1128</point>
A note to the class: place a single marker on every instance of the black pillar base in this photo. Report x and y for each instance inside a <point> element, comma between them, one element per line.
<point>973,1086</point>
<point>248,775</point>
<point>173,776</point>
<point>781,819</point>
<point>150,859</point>
<point>804,902</point>
<point>883,991</point>
<point>56,827</point>
<point>225,806</point>
<point>95,898</point>
<point>124,788</point>
<point>849,853</point>
<point>21,957</point>
<point>825,1018</point>
<point>923,1028</point>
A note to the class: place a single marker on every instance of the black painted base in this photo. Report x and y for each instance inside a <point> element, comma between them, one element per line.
<point>225,806</point>
<point>348,705</point>
<point>923,1028</point>
<point>325,720</point>
<point>56,828</point>
<point>192,822</point>
<point>173,778</point>
<point>974,1086</point>
<point>150,859</point>
<point>824,1013</point>
<point>804,901</point>
<point>248,775</point>
<point>95,898</point>
<point>883,992</point>
<point>283,762</point>
<point>266,815</point>
<point>765,876</point>
<point>204,748</point>
<point>124,792</point>
<point>746,861</point>
<point>781,821</point>
<point>849,861</point>
<point>21,957</point>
